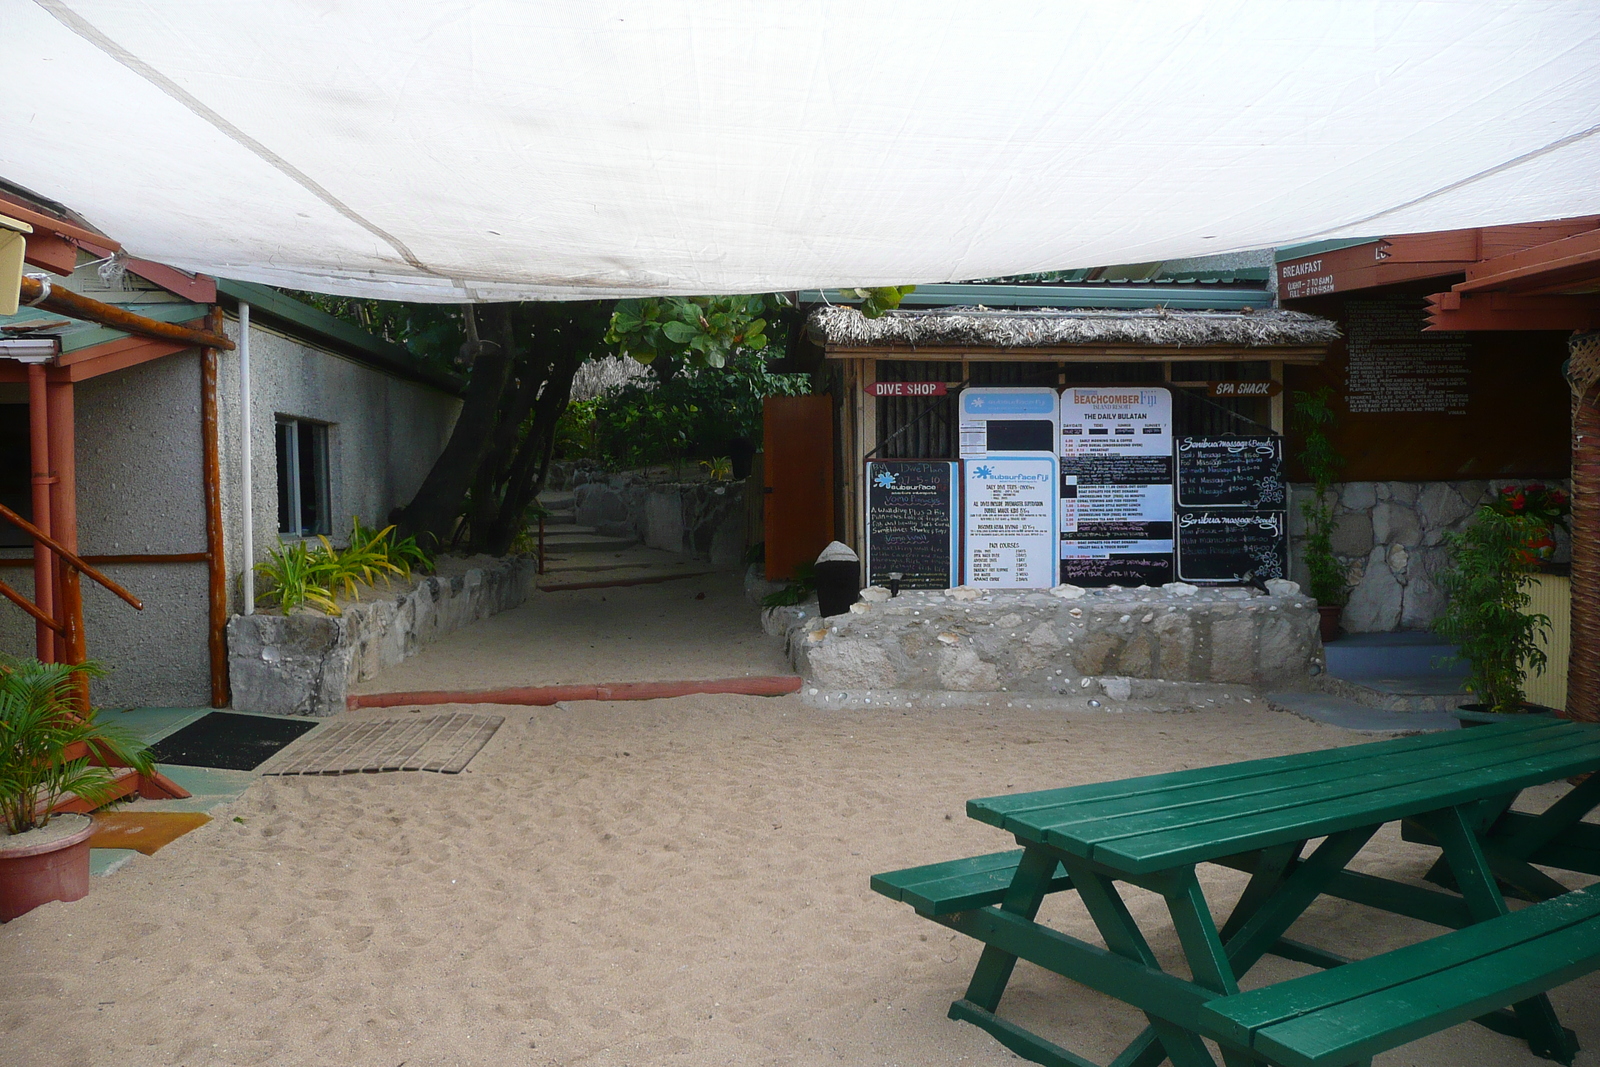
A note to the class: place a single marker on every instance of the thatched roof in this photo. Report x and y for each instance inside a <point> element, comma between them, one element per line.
<point>845,327</point>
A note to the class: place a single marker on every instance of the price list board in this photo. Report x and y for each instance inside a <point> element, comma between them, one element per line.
<point>1231,472</point>
<point>1224,546</point>
<point>1009,509</point>
<point>1116,485</point>
<point>911,522</point>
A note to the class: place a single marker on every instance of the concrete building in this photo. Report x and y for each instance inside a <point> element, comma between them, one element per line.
<point>342,424</point>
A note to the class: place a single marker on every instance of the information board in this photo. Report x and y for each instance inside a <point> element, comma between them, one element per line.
<point>1116,485</point>
<point>1007,419</point>
<point>1009,508</point>
<point>1231,472</point>
<point>1229,545</point>
<point>911,522</point>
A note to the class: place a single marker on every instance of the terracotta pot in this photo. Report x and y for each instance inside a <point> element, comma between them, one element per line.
<point>37,874</point>
<point>1328,621</point>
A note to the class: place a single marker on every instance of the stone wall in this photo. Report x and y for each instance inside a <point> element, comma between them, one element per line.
<point>704,520</point>
<point>1065,642</point>
<point>1389,537</point>
<point>305,663</point>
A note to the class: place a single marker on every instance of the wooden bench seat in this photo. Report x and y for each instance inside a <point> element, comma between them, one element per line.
<point>958,885</point>
<point>1347,1014</point>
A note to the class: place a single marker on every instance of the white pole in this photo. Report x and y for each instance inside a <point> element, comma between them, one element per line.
<point>248,489</point>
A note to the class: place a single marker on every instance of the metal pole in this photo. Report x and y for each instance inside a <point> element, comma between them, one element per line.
<point>248,488</point>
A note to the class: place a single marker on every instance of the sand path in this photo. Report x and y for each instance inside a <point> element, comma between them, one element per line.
<point>678,882</point>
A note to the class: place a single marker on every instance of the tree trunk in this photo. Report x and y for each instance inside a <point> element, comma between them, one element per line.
<point>1583,667</point>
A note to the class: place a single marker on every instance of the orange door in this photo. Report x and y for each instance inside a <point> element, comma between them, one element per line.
<point>797,438</point>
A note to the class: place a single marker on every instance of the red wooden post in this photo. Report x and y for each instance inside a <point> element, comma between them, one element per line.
<point>1583,665</point>
<point>44,575</point>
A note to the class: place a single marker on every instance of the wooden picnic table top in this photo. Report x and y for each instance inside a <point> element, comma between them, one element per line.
<point>1161,821</point>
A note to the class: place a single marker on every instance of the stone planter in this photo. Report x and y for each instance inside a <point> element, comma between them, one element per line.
<point>44,865</point>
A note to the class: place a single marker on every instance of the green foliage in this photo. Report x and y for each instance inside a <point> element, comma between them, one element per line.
<point>575,436</point>
<point>39,723</point>
<point>719,468</point>
<point>699,331</point>
<point>1313,417</point>
<point>875,302</point>
<point>433,331</point>
<point>695,413</point>
<point>299,572</point>
<point>1484,615</point>
<point>799,589</point>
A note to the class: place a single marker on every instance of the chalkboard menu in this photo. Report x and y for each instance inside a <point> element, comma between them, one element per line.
<point>1226,546</point>
<point>911,512</point>
<point>1231,472</point>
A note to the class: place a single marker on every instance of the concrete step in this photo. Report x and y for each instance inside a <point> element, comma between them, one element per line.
<point>1356,657</point>
<point>558,501</point>
<point>582,539</point>
<point>1414,693</point>
<point>1350,715</point>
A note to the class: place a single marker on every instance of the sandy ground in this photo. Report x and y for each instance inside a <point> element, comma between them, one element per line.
<point>678,882</point>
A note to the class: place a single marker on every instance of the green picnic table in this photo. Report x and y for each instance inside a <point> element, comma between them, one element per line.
<point>1454,790</point>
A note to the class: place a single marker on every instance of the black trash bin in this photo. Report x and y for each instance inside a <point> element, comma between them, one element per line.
<point>838,573</point>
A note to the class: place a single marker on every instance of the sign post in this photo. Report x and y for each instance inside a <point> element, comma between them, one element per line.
<point>1232,509</point>
<point>1010,521</point>
<point>1116,485</point>
<point>911,522</point>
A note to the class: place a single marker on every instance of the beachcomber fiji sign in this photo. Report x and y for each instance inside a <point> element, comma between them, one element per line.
<point>1010,521</point>
<point>1116,485</point>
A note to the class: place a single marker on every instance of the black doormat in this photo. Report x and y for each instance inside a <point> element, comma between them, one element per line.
<point>229,742</point>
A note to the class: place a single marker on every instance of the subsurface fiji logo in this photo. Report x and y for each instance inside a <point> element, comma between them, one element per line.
<point>983,472</point>
<point>885,480</point>
<point>988,474</point>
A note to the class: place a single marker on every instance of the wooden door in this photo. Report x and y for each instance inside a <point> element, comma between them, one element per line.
<point>797,438</point>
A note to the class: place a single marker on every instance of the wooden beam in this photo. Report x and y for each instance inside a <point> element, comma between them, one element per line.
<point>66,302</point>
<point>120,560</point>
<point>1570,260</point>
<point>77,561</point>
<point>1505,311</point>
<point>1309,354</point>
<point>196,287</point>
<point>211,482</point>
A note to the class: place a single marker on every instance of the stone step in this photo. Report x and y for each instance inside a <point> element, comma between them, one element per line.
<point>1350,715</point>
<point>1413,693</point>
<point>569,540</point>
<point>558,501</point>
<point>1357,657</point>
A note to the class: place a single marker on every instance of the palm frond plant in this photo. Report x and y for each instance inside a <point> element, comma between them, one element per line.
<point>297,574</point>
<point>45,743</point>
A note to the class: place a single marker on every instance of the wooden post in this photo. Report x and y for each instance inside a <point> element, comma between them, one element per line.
<point>44,574</point>
<point>216,558</point>
<point>70,644</point>
<point>1583,665</point>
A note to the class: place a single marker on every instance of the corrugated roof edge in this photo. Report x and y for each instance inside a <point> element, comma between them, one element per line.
<point>318,326</point>
<point>1288,252</point>
<point>1112,295</point>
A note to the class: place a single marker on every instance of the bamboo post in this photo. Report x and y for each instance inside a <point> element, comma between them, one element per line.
<point>216,559</point>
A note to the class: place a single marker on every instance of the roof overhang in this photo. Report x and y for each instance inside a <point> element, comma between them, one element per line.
<point>1551,286</point>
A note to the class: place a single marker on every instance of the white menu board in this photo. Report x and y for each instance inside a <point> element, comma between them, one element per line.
<point>1010,521</point>
<point>1116,485</point>
<point>1007,419</point>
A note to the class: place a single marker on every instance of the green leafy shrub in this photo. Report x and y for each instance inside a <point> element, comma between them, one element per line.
<point>1486,584</point>
<point>39,725</point>
<point>300,572</point>
<point>799,589</point>
<point>1313,417</point>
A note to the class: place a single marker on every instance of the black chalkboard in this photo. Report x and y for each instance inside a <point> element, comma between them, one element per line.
<point>911,522</point>
<point>1225,545</point>
<point>1231,472</point>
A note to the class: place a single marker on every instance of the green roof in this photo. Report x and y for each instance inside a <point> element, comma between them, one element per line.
<point>1288,252</point>
<point>1120,295</point>
<point>80,334</point>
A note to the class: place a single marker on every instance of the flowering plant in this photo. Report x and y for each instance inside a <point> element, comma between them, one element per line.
<point>1540,503</point>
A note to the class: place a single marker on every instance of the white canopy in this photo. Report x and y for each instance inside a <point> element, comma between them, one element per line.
<point>447,150</point>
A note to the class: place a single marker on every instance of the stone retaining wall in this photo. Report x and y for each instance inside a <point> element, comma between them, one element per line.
<point>305,663</point>
<point>1389,537</point>
<point>704,520</point>
<point>1123,643</point>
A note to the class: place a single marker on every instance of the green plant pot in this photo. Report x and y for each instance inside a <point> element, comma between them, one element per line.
<point>1479,714</point>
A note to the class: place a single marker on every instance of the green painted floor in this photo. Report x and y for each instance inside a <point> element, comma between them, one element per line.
<point>209,786</point>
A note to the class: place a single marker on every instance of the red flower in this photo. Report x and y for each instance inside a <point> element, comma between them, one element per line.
<point>1558,498</point>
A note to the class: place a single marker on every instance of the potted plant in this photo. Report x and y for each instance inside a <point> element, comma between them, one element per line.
<point>1543,508</point>
<point>45,745</point>
<point>1489,564</point>
<point>1313,417</point>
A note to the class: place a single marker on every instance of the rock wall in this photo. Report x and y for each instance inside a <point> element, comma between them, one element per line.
<point>1066,642</point>
<point>705,520</point>
<point>305,663</point>
<point>1389,537</point>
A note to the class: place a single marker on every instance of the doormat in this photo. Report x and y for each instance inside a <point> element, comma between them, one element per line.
<point>442,743</point>
<point>144,831</point>
<point>227,741</point>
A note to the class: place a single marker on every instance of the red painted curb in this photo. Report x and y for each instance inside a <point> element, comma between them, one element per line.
<point>544,695</point>
<point>616,582</point>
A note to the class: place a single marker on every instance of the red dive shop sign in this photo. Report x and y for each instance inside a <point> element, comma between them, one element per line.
<point>906,389</point>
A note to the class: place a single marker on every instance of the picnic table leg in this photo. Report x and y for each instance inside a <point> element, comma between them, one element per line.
<point>1028,888</point>
<point>1099,894</point>
<point>1541,1028</point>
<point>1273,865</point>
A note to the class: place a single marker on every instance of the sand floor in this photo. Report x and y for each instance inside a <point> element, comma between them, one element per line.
<point>678,882</point>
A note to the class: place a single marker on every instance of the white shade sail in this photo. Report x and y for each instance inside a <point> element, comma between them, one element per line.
<point>446,150</point>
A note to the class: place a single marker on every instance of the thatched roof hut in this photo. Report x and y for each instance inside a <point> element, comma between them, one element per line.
<point>844,328</point>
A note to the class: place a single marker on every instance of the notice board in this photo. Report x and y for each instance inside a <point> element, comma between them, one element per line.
<point>911,522</point>
<point>1231,472</point>
<point>1009,510</point>
<point>1007,419</point>
<point>1227,545</point>
<point>1116,485</point>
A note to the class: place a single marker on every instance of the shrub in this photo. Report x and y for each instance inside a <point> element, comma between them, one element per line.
<point>299,572</point>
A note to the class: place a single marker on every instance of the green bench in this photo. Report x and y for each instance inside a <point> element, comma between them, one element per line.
<point>958,885</point>
<point>1347,1014</point>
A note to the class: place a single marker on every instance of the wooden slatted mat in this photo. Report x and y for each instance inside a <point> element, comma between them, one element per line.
<point>442,743</point>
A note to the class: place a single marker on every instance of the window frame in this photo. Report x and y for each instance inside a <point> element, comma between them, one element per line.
<point>289,434</point>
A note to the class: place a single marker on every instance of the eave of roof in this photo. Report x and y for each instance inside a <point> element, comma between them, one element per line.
<point>1115,295</point>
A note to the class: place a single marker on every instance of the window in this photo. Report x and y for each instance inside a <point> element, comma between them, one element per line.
<point>304,508</point>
